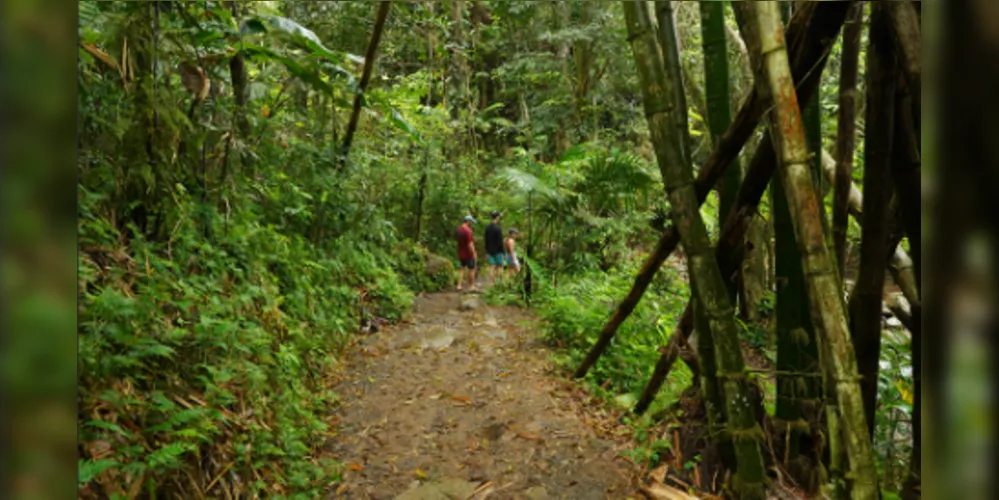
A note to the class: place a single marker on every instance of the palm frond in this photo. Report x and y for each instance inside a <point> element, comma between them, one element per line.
<point>527,183</point>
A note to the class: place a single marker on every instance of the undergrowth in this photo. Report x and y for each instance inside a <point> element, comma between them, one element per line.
<point>574,312</point>
<point>208,361</point>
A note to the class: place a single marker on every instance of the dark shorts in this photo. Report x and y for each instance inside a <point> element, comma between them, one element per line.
<point>467,263</point>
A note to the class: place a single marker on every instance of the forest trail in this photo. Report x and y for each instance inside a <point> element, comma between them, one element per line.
<point>460,401</point>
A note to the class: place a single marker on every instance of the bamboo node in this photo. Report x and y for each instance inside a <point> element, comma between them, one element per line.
<point>752,434</point>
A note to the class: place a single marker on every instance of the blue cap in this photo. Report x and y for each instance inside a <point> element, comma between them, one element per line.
<point>469,218</point>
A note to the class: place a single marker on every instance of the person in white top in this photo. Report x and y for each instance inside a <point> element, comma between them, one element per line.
<point>510,248</point>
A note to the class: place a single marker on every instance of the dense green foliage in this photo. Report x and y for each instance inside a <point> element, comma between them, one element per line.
<point>226,259</point>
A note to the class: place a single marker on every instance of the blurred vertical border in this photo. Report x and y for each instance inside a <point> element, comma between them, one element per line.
<point>38,56</point>
<point>961,220</point>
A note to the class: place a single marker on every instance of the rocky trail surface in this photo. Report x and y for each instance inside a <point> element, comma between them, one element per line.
<point>460,402</point>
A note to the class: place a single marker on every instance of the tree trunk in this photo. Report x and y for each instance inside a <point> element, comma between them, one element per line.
<point>796,343</point>
<point>420,195</point>
<point>710,286</point>
<point>583,56</point>
<point>810,43</point>
<point>813,136</point>
<point>696,95</point>
<point>560,19</point>
<point>712,388</point>
<point>845,130</point>
<point>900,265</point>
<point>481,16</point>
<point>670,51</point>
<point>667,357</point>
<point>906,163</point>
<point>908,42</point>
<point>745,70</point>
<point>240,89</point>
<point>717,96</point>
<point>671,63</point>
<point>457,74</point>
<point>369,63</point>
<point>827,307</point>
<point>797,354</point>
<point>753,271</point>
<point>866,301</point>
<point>906,172</point>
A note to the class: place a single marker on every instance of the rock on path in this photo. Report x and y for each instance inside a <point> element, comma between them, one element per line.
<point>460,403</point>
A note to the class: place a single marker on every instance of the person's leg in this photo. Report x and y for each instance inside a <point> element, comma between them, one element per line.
<point>461,274</point>
<point>491,262</point>
<point>471,276</point>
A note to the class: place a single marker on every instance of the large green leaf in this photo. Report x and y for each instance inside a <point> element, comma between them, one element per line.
<point>306,74</point>
<point>298,34</point>
<point>400,122</point>
<point>574,153</point>
<point>526,182</point>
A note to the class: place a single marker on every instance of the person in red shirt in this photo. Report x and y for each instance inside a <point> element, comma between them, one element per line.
<point>466,252</point>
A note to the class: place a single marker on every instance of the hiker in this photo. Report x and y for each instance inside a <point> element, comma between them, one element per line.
<point>494,247</point>
<point>510,245</point>
<point>466,252</point>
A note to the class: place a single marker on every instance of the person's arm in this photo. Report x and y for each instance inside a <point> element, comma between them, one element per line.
<point>471,247</point>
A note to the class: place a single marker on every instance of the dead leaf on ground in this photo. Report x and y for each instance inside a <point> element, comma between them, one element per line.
<point>659,473</point>
<point>660,491</point>
<point>356,467</point>
<point>462,399</point>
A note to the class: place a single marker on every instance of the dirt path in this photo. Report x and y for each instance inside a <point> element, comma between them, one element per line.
<point>461,403</point>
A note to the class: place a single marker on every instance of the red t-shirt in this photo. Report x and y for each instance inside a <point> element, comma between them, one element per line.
<point>464,237</point>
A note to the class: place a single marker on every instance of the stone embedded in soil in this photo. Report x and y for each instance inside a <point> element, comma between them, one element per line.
<point>496,334</point>
<point>494,432</point>
<point>438,340</point>
<point>446,489</point>
<point>469,304</point>
<point>537,493</point>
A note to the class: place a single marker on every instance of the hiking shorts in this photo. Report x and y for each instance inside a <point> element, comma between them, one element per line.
<point>467,263</point>
<point>495,259</point>
<point>511,261</point>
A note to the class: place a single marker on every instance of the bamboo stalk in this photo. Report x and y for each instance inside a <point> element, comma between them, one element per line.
<point>716,85</point>
<point>845,130</point>
<point>710,289</point>
<point>810,58</point>
<point>809,42</point>
<point>827,309</point>
<point>908,43</point>
<point>866,301</point>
